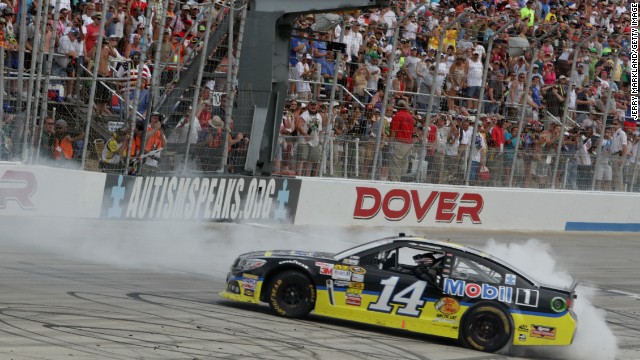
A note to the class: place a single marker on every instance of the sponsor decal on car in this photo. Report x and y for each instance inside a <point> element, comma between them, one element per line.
<point>527,297</point>
<point>341,275</point>
<point>341,283</point>
<point>354,291</point>
<point>357,277</point>
<point>447,305</point>
<point>523,328</point>
<point>249,281</point>
<point>352,299</point>
<point>510,279</point>
<point>248,292</point>
<point>473,290</point>
<point>341,267</point>
<point>522,337</point>
<point>543,332</point>
<point>351,261</point>
<point>295,262</point>
<point>358,270</point>
<point>325,268</point>
<point>356,285</point>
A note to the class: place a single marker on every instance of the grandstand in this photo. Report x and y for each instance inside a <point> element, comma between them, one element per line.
<point>531,94</point>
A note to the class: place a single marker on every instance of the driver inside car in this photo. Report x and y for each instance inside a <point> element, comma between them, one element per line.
<point>425,268</point>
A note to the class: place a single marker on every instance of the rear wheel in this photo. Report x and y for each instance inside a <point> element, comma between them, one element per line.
<point>486,328</point>
<point>292,294</point>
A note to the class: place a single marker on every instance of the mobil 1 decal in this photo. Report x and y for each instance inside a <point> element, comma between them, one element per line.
<point>220,198</point>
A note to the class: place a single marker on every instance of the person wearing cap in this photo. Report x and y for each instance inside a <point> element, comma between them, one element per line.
<point>401,137</point>
<point>155,142</point>
<point>65,65</point>
<point>474,80</point>
<point>579,76</point>
<point>309,126</point>
<point>619,149</point>
<point>633,172</point>
<point>304,71</point>
<point>528,13</point>
<point>91,36</point>
<point>114,152</point>
<point>555,95</point>
<point>62,143</point>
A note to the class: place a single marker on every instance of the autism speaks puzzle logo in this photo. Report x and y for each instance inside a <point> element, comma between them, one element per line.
<point>217,199</point>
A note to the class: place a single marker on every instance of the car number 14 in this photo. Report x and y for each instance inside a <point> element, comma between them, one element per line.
<point>409,298</point>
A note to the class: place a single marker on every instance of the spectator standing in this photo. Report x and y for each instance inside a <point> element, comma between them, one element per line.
<point>618,155</point>
<point>603,165</point>
<point>308,126</point>
<point>401,134</point>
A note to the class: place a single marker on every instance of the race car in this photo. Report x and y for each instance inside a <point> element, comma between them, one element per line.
<point>412,283</point>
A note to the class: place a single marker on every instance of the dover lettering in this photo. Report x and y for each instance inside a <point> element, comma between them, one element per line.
<point>397,203</point>
<point>201,198</point>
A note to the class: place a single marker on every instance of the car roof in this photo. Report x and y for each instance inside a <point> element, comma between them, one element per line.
<point>435,245</point>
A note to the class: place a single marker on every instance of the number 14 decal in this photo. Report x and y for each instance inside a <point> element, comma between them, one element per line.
<point>409,298</point>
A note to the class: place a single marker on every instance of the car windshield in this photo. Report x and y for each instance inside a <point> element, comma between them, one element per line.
<point>360,248</point>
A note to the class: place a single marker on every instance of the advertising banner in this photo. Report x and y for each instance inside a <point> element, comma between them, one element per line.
<point>47,191</point>
<point>217,198</point>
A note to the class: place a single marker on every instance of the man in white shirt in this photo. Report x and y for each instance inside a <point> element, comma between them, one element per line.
<point>618,154</point>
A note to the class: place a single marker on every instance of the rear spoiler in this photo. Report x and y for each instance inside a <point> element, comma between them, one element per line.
<point>573,287</point>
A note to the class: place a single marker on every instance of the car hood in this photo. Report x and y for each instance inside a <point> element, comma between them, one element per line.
<point>288,253</point>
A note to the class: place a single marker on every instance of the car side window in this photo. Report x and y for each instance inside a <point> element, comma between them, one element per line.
<point>471,270</point>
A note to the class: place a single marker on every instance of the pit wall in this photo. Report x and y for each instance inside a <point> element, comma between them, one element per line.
<point>55,192</point>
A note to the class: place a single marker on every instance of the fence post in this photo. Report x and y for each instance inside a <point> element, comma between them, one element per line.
<point>607,108</point>
<point>565,109</point>
<point>385,99</point>
<point>196,93</point>
<point>485,73</point>
<point>327,129</point>
<point>94,84</point>
<point>427,123</point>
<point>523,112</point>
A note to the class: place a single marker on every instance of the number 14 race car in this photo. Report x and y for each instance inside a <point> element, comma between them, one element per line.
<point>411,283</point>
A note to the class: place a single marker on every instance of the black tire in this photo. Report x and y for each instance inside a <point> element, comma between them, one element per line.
<point>291,294</point>
<point>485,328</point>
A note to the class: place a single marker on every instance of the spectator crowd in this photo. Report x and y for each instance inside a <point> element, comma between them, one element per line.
<point>573,133</point>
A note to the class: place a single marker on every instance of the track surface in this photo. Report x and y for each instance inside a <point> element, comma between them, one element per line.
<point>57,302</point>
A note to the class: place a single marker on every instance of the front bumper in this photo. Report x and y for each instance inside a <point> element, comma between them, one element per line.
<point>244,288</point>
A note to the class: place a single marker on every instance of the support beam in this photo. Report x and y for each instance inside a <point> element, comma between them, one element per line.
<point>268,31</point>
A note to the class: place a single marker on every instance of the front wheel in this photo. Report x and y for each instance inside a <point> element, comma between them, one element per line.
<point>486,328</point>
<point>292,294</point>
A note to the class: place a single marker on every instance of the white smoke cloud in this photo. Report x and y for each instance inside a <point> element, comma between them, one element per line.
<point>594,339</point>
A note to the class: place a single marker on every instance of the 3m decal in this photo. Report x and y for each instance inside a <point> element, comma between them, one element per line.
<point>447,305</point>
<point>325,268</point>
<point>543,332</point>
<point>409,299</point>
<point>473,290</point>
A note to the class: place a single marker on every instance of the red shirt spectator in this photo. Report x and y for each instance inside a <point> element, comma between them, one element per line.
<point>497,136</point>
<point>402,126</point>
<point>91,37</point>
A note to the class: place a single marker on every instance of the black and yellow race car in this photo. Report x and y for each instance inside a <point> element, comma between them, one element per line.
<point>460,293</point>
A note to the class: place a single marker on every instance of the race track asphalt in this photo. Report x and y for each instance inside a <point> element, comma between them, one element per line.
<point>128,290</point>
